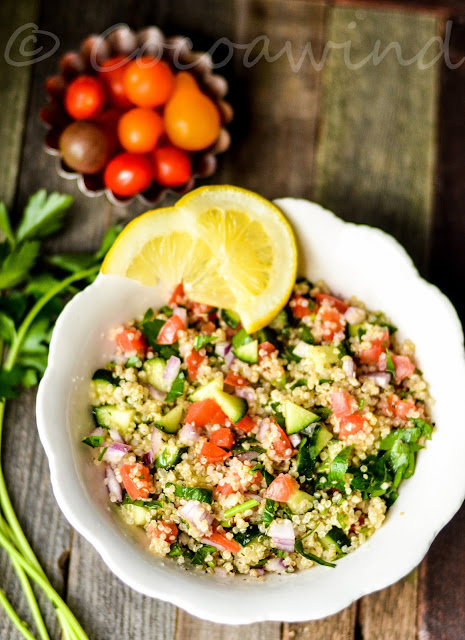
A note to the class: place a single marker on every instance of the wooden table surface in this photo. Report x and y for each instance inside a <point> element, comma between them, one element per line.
<point>381,144</point>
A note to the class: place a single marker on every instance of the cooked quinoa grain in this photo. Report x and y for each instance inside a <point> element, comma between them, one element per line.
<point>272,452</point>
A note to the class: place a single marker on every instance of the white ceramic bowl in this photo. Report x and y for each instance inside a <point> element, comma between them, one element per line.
<point>353,260</point>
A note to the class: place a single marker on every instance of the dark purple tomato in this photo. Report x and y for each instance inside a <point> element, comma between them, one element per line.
<point>85,147</point>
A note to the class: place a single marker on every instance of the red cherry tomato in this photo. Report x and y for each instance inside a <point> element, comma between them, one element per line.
<point>111,73</point>
<point>148,82</point>
<point>84,98</point>
<point>128,174</point>
<point>139,130</point>
<point>172,167</point>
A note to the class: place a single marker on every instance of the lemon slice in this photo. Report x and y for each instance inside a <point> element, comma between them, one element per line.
<point>230,247</point>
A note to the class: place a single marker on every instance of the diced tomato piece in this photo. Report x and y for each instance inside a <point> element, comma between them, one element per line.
<point>332,322</point>
<point>163,529</point>
<point>300,306</point>
<point>246,424</point>
<point>342,402</point>
<point>334,302</point>
<point>225,489</point>
<point>213,453</point>
<point>265,349</point>
<point>194,361</point>
<point>221,540</point>
<point>200,310</point>
<point>234,380</point>
<point>282,445</point>
<point>177,296</point>
<point>222,437</point>
<point>137,480</point>
<point>351,424</point>
<point>205,412</point>
<point>399,408</point>
<point>169,331</point>
<point>282,488</point>
<point>208,328</point>
<point>404,367</point>
<point>131,339</point>
<point>257,478</point>
<point>378,347</point>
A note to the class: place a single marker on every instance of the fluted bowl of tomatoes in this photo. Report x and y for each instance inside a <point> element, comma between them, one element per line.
<point>135,114</point>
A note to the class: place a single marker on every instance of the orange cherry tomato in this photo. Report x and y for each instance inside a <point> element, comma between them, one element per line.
<point>148,82</point>
<point>111,73</point>
<point>84,98</point>
<point>140,129</point>
<point>128,174</point>
<point>192,120</point>
<point>172,167</point>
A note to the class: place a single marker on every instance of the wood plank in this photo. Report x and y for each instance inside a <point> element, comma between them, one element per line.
<point>188,626</point>
<point>442,589</point>
<point>375,165</point>
<point>338,627</point>
<point>377,147</point>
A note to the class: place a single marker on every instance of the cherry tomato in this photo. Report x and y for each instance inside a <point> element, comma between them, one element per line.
<point>85,147</point>
<point>192,121</point>
<point>84,98</point>
<point>111,73</point>
<point>139,130</point>
<point>172,167</point>
<point>148,82</point>
<point>128,174</point>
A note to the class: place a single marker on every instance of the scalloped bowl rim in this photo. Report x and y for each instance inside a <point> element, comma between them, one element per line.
<point>411,526</point>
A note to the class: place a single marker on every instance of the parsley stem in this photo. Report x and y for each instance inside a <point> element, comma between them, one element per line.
<point>28,592</point>
<point>15,619</point>
<point>45,585</point>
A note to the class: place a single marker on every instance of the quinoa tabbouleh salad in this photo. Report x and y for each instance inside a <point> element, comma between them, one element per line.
<point>258,453</point>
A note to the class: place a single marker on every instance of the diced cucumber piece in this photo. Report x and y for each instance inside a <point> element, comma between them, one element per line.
<point>235,408</point>
<point>268,335</point>
<point>169,423</point>
<point>241,338</point>
<point>207,391</point>
<point>281,321</point>
<point>310,448</point>
<point>335,538</point>
<point>300,501</point>
<point>103,382</point>
<point>110,417</point>
<point>354,330</point>
<point>135,515</point>
<point>154,369</point>
<point>248,352</point>
<point>297,418</point>
<point>169,457</point>
<point>320,438</point>
<point>322,354</point>
<point>231,318</point>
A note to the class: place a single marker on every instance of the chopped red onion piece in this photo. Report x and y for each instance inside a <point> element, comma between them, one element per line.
<point>253,496</point>
<point>113,486</point>
<point>181,313</point>
<point>98,431</point>
<point>217,545</point>
<point>246,393</point>
<point>115,452</point>
<point>282,534</point>
<point>247,455</point>
<point>348,366</point>
<point>276,565</point>
<point>354,315</point>
<point>115,436</point>
<point>380,378</point>
<point>197,515</point>
<point>222,348</point>
<point>229,358</point>
<point>157,440</point>
<point>260,571</point>
<point>189,433</point>
<point>148,458</point>
<point>172,369</point>
<point>295,440</point>
<point>263,428</point>
<point>156,394</point>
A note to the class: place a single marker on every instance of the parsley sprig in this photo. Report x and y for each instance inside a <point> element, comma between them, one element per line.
<point>33,291</point>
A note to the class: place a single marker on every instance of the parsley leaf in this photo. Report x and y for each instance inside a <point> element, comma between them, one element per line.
<point>390,364</point>
<point>94,441</point>
<point>43,215</point>
<point>18,263</point>
<point>201,553</point>
<point>177,388</point>
<point>201,340</point>
<point>5,225</point>
<point>7,328</point>
<point>298,546</point>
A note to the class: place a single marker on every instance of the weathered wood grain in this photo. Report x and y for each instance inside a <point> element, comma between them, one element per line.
<point>442,587</point>
<point>338,627</point>
<point>376,156</point>
<point>188,626</point>
<point>375,164</point>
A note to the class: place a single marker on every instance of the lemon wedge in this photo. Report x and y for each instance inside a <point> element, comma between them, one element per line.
<point>230,247</point>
